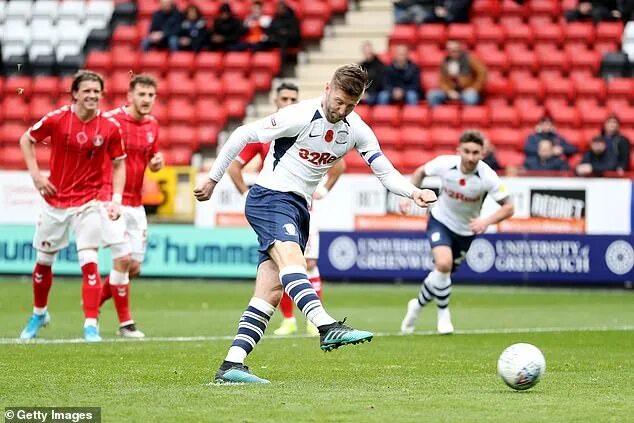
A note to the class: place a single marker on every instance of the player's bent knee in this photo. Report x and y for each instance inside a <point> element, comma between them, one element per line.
<point>122,264</point>
<point>47,259</point>
<point>135,269</point>
<point>443,266</point>
<point>120,251</point>
<point>87,256</point>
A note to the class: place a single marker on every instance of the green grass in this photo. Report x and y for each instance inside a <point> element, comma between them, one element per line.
<point>394,378</point>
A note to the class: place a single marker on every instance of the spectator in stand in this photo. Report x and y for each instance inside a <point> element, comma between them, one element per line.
<point>255,26</point>
<point>600,158</point>
<point>376,70</point>
<point>283,32</point>
<point>626,7</point>
<point>462,77</point>
<point>401,82</point>
<point>226,31</point>
<point>449,11</point>
<point>545,159</point>
<point>165,27</point>
<point>595,10</point>
<point>489,155</point>
<point>193,34</point>
<point>545,128</point>
<point>412,11</point>
<point>617,142</point>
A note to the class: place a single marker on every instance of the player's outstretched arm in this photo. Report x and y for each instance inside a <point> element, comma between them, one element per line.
<point>41,182</point>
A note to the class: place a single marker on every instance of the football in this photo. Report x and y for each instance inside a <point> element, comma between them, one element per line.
<point>521,366</point>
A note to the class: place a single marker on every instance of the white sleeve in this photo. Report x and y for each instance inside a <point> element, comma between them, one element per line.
<point>437,166</point>
<point>496,188</point>
<point>278,125</point>
<point>368,146</point>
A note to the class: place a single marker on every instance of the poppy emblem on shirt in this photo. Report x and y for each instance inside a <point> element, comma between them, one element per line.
<point>462,182</point>
<point>98,140</point>
<point>150,137</point>
<point>81,138</point>
<point>329,135</point>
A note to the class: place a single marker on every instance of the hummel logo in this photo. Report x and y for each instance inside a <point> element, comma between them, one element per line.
<point>92,280</point>
<point>38,277</point>
<point>121,292</point>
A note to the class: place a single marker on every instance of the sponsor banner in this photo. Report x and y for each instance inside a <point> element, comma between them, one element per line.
<point>19,200</point>
<point>173,250</point>
<point>513,258</point>
<point>542,205</point>
<point>176,184</point>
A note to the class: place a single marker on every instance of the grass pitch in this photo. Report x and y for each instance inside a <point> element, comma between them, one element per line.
<point>587,337</point>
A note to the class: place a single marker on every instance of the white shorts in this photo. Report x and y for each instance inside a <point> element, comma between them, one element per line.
<point>130,228</point>
<point>312,245</point>
<point>51,231</point>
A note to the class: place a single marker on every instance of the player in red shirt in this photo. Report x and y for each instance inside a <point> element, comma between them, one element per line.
<point>81,139</point>
<point>286,94</point>
<point>126,237</point>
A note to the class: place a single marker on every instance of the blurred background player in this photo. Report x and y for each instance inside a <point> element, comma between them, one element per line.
<point>126,237</point>
<point>81,139</point>
<point>454,222</point>
<point>287,94</point>
<point>308,138</point>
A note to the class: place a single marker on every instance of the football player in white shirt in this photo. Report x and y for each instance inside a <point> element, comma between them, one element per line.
<point>454,221</point>
<point>308,138</point>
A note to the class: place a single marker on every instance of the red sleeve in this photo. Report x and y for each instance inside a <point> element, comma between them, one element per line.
<point>249,152</point>
<point>44,128</point>
<point>155,144</point>
<point>116,148</point>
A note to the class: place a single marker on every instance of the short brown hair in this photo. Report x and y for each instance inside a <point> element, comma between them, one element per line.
<point>351,79</point>
<point>142,79</point>
<point>472,135</point>
<point>85,75</point>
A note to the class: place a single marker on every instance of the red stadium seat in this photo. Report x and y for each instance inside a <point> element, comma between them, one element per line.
<point>498,85</point>
<point>316,9</point>
<point>159,111</point>
<point>504,117</point>
<point>388,136</point>
<point>512,8</point>
<point>179,84</point>
<point>236,107</point>
<point>181,61</point>
<point>181,110</point>
<point>11,157</point>
<point>462,32</point>
<point>208,135</point>
<point>550,58</point>
<point>517,32</point>
<point>45,86</point>
<point>506,138</point>
<point>237,61</point>
<point>527,86</point>
<point>521,59</point>
<point>548,33</point>
<point>609,31</point>
<point>487,8</point>
<point>16,109</point>
<point>17,85</point>
<point>208,85</point>
<point>574,136</point>
<point>262,79</point>
<point>621,88</point>
<point>584,59</point>
<point>445,137</point>
<point>312,29</point>
<point>363,110</point>
<point>592,116</point>
<point>415,116</point>
<point>579,32</point>
<point>154,61</point>
<point>10,133</point>
<point>270,61</point>
<point>431,33</point>
<point>394,156</point>
<point>403,34</point>
<point>544,7</point>
<point>510,158</point>
<point>180,156</point>
<point>429,80</point>
<point>494,59</point>
<point>445,115</point>
<point>564,115</point>
<point>528,112</point>
<point>211,112</point>
<point>414,158</point>
<point>355,163</point>
<point>430,57</point>
<point>183,136</point>
<point>590,87</point>
<point>39,107</point>
<point>626,116</point>
<point>127,35</point>
<point>99,61</point>
<point>240,87</point>
<point>475,116</point>
<point>415,137</point>
<point>125,60</point>
<point>388,114</point>
<point>209,61</point>
<point>559,87</point>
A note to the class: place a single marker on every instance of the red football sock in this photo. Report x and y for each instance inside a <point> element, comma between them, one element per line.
<point>105,291</point>
<point>91,290</point>
<point>42,281</point>
<point>286,307</point>
<point>121,298</point>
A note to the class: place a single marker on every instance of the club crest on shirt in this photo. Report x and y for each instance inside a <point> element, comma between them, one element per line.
<point>81,138</point>
<point>150,137</point>
<point>97,141</point>
<point>342,137</point>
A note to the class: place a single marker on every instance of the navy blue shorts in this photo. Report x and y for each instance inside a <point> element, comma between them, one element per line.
<point>439,234</point>
<point>277,216</point>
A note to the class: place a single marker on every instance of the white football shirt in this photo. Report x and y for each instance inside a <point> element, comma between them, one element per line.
<point>305,146</point>
<point>461,194</point>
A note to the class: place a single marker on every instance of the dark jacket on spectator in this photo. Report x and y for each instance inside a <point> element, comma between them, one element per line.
<point>168,22</point>
<point>457,10</point>
<point>284,29</point>
<point>601,163</point>
<point>492,161</point>
<point>407,78</point>
<point>196,32</point>
<point>622,147</point>
<point>472,74</point>
<point>553,163</point>
<point>231,29</point>
<point>530,149</point>
<point>376,72</point>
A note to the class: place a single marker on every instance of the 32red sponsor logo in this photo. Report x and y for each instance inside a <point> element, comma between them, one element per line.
<point>317,158</point>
